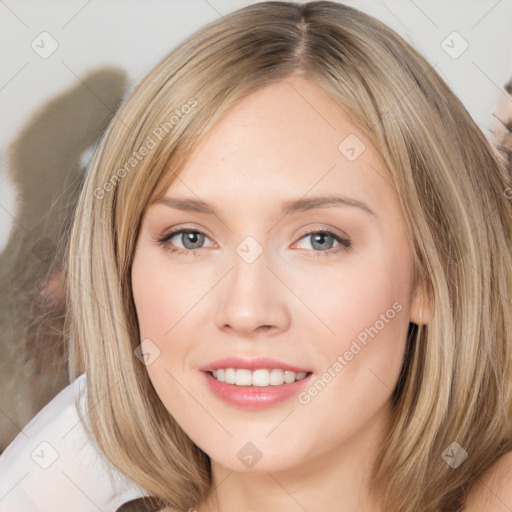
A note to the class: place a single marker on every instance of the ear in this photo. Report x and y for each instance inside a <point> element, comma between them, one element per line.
<point>421,306</point>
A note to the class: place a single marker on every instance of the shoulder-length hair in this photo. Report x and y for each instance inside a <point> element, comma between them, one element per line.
<point>457,376</point>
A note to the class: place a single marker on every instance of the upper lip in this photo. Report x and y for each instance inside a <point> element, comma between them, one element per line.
<point>251,364</point>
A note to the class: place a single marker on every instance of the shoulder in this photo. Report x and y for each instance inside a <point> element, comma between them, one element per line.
<point>52,465</point>
<point>493,492</point>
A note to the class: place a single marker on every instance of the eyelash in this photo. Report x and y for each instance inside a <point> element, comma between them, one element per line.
<point>344,243</point>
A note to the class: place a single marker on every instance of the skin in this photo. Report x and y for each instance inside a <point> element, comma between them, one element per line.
<point>280,143</point>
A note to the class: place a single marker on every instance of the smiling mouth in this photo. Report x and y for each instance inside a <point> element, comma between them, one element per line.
<point>257,378</point>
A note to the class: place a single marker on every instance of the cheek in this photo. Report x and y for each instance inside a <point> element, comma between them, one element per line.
<point>170,302</point>
<point>359,297</point>
<point>162,298</point>
<point>153,302</point>
<point>366,310</point>
<point>164,295</point>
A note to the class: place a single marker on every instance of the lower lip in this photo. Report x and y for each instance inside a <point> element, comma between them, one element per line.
<point>254,397</point>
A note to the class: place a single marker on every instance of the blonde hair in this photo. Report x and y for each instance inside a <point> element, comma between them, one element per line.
<point>456,380</point>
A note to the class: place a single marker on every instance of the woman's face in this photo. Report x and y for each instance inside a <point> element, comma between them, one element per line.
<point>276,267</point>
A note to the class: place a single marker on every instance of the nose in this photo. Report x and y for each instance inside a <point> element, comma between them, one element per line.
<point>251,300</point>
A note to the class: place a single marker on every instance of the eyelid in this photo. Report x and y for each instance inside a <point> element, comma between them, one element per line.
<point>170,232</point>
<point>329,230</point>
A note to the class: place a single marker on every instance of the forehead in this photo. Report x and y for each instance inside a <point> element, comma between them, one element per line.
<point>286,140</point>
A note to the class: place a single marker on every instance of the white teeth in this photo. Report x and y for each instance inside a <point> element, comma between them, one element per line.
<point>229,376</point>
<point>261,378</point>
<point>276,377</point>
<point>289,377</point>
<point>243,377</point>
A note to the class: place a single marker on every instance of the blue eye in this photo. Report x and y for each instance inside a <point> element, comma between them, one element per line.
<point>322,242</point>
<point>190,238</point>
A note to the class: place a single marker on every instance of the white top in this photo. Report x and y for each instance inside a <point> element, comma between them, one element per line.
<point>52,465</point>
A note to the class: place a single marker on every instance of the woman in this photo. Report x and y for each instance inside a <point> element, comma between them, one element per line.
<point>288,279</point>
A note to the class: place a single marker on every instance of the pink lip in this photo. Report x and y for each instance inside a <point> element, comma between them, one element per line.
<point>251,364</point>
<point>254,397</point>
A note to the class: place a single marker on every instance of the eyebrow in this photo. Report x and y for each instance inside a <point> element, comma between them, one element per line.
<point>288,207</point>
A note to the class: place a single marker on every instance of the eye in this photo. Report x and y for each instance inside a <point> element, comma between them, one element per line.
<point>191,239</point>
<point>322,242</point>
